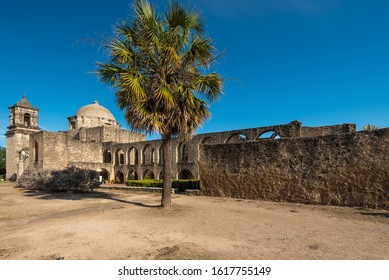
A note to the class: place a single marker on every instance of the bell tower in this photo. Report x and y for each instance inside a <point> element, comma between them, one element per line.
<point>23,121</point>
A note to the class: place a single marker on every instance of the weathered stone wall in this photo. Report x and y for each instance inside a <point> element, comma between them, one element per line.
<point>17,141</point>
<point>349,169</point>
<point>307,131</point>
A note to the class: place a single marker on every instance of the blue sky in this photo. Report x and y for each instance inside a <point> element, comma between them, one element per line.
<point>320,62</point>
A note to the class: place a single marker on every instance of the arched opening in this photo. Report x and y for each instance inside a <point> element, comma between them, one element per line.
<point>132,175</point>
<point>160,154</point>
<point>185,174</point>
<point>236,138</point>
<point>182,152</point>
<point>133,156</point>
<point>205,140</point>
<point>119,177</point>
<point>36,152</point>
<point>107,156</point>
<point>269,134</point>
<point>27,120</point>
<point>148,174</point>
<point>147,155</point>
<point>152,158</point>
<point>160,176</point>
<point>105,175</point>
<point>120,157</point>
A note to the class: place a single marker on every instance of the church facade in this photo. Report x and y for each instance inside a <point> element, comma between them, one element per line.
<point>95,140</point>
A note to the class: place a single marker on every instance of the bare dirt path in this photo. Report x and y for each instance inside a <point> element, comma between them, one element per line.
<point>129,225</point>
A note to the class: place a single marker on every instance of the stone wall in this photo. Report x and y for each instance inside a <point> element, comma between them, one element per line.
<point>349,170</point>
<point>307,131</point>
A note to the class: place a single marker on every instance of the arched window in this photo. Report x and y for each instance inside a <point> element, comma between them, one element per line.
<point>270,134</point>
<point>152,157</point>
<point>107,157</point>
<point>184,155</point>
<point>147,155</point>
<point>120,156</point>
<point>27,120</point>
<point>160,152</point>
<point>133,156</point>
<point>36,152</point>
<point>236,138</point>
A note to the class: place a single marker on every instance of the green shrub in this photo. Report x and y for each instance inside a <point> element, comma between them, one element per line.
<point>181,185</point>
<point>70,179</point>
<point>145,183</point>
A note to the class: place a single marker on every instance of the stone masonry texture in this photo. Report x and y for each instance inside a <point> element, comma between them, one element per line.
<point>347,170</point>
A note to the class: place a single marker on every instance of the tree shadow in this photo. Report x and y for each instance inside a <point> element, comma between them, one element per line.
<point>82,196</point>
<point>375,214</point>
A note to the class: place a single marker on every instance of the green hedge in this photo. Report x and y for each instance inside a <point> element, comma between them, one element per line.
<point>181,185</point>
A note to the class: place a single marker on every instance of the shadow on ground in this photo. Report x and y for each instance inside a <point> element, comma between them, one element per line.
<point>82,196</point>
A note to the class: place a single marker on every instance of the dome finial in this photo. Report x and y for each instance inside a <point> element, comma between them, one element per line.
<point>96,102</point>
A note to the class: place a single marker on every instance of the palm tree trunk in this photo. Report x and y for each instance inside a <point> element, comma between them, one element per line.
<point>166,200</point>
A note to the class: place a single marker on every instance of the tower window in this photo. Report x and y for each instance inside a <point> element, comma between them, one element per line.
<point>27,120</point>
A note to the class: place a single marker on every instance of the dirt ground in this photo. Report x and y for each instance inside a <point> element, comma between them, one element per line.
<point>130,225</point>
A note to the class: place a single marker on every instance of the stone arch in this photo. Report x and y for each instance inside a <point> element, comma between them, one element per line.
<point>132,175</point>
<point>27,119</point>
<point>236,138</point>
<point>133,156</point>
<point>107,156</point>
<point>185,174</point>
<point>182,152</point>
<point>147,154</point>
<point>120,157</point>
<point>36,151</point>
<point>268,134</point>
<point>148,174</point>
<point>160,175</point>
<point>153,156</point>
<point>105,174</point>
<point>204,140</point>
<point>119,177</point>
<point>160,154</point>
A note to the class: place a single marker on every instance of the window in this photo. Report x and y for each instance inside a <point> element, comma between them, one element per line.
<point>27,120</point>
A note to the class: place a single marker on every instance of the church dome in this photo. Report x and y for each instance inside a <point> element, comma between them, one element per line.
<point>95,110</point>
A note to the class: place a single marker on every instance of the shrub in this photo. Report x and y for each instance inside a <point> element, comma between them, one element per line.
<point>70,179</point>
<point>181,185</point>
<point>1,177</point>
<point>145,183</point>
<point>34,179</point>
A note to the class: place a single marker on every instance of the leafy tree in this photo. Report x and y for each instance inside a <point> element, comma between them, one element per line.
<point>2,160</point>
<point>158,66</point>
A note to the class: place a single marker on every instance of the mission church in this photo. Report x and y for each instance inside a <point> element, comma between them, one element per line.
<point>95,140</point>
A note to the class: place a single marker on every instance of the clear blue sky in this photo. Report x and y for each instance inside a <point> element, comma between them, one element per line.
<point>317,61</point>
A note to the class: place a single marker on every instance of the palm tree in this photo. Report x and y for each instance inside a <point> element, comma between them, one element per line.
<point>158,68</point>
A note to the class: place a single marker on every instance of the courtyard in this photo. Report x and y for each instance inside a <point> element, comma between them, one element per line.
<point>112,224</point>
